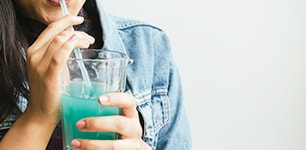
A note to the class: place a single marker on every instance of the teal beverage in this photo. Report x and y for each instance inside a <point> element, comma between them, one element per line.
<point>82,103</point>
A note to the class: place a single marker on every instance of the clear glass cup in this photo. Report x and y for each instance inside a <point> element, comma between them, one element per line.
<point>106,73</point>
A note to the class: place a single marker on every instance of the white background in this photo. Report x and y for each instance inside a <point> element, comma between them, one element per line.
<point>243,66</point>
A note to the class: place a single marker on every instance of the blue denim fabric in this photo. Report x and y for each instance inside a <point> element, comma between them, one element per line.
<point>153,79</point>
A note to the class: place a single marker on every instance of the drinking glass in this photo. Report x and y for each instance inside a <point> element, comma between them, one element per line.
<point>103,72</point>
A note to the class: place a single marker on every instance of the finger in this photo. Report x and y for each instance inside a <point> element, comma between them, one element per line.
<point>126,127</point>
<point>123,100</point>
<point>79,144</point>
<point>54,29</point>
<point>55,46</point>
<point>62,55</point>
<point>59,59</point>
<point>84,37</point>
<point>84,40</point>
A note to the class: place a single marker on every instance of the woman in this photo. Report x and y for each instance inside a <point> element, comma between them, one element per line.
<point>153,114</point>
<point>36,122</point>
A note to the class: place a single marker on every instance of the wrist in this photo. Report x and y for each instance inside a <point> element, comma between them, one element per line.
<point>35,129</point>
<point>40,118</point>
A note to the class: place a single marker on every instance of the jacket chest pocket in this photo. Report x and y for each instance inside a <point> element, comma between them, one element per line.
<point>154,108</point>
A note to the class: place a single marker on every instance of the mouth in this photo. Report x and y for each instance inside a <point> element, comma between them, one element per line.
<point>56,3</point>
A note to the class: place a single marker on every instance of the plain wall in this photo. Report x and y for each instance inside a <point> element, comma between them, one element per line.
<point>243,66</point>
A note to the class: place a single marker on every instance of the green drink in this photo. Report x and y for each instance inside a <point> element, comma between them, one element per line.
<point>81,103</point>
<point>106,72</point>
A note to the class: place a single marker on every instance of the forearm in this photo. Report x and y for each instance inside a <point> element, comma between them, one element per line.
<point>28,132</point>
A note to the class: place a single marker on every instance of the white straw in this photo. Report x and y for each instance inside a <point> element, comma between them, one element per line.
<point>77,51</point>
<point>65,10</point>
<point>64,7</point>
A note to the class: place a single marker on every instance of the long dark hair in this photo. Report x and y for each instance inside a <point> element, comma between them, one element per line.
<point>12,64</point>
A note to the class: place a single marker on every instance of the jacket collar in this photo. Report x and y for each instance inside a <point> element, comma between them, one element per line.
<point>111,37</point>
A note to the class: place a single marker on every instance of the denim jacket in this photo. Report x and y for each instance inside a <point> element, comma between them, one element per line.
<point>153,79</point>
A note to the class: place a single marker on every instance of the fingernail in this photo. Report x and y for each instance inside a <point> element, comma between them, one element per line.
<point>79,18</point>
<point>92,40</point>
<point>74,38</point>
<point>76,143</point>
<point>80,124</point>
<point>103,99</point>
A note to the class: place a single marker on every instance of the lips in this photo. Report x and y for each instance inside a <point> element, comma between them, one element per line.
<point>56,2</point>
